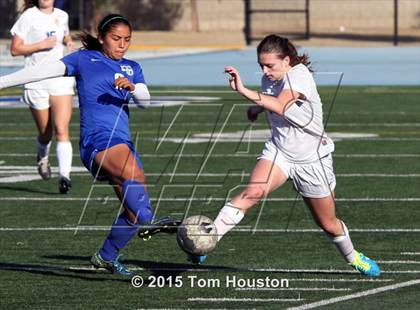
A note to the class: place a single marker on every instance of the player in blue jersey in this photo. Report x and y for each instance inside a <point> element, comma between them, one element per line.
<point>106,82</point>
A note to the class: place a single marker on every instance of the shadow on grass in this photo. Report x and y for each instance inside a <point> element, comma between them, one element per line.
<point>82,272</point>
<point>86,272</point>
<point>28,190</point>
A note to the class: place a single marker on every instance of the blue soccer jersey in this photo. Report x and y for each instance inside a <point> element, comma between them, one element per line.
<point>104,111</point>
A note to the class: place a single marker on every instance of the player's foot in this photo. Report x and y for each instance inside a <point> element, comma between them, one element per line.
<point>196,259</point>
<point>365,265</point>
<point>166,225</point>
<point>116,267</point>
<point>44,168</point>
<point>64,185</point>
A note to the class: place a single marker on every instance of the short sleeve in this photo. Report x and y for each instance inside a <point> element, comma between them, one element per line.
<point>21,27</point>
<point>72,63</point>
<point>298,80</point>
<point>138,75</point>
<point>66,24</point>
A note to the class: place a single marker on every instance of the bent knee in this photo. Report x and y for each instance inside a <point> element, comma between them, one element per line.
<point>331,227</point>
<point>254,193</point>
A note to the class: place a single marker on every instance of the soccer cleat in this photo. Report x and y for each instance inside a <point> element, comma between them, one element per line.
<point>116,267</point>
<point>44,168</point>
<point>365,265</point>
<point>64,185</point>
<point>164,225</point>
<point>196,259</point>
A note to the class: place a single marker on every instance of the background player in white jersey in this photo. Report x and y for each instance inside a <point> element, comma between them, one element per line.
<point>298,150</point>
<point>39,34</point>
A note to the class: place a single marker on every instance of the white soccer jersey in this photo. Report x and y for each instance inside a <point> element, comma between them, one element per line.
<point>34,26</point>
<point>299,133</point>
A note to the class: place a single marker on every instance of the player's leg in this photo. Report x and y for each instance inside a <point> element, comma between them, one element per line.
<point>265,178</point>
<point>43,142</point>
<point>37,100</point>
<point>324,213</point>
<point>61,108</point>
<point>126,174</point>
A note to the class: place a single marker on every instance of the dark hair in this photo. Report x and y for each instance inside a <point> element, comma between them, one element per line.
<point>30,3</point>
<point>282,47</point>
<point>107,23</point>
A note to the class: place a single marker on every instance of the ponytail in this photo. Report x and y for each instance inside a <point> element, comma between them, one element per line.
<point>29,3</point>
<point>89,42</point>
<point>283,47</point>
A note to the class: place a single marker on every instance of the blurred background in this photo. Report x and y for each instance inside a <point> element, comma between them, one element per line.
<point>374,42</point>
<point>240,22</point>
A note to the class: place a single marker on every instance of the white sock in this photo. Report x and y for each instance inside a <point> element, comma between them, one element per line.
<point>64,157</point>
<point>228,217</point>
<point>344,244</point>
<point>43,150</point>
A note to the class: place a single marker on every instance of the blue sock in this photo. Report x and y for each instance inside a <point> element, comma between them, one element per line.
<point>137,201</point>
<point>121,232</point>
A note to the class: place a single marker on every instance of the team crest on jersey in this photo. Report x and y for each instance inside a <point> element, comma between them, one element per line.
<point>127,69</point>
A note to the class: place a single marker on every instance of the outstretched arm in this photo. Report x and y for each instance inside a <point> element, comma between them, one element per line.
<point>33,74</point>
<point>277,104</point>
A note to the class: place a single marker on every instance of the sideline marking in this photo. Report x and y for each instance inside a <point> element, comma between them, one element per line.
<point>356,295</point>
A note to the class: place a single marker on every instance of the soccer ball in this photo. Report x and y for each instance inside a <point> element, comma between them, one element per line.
<point>197,235</point>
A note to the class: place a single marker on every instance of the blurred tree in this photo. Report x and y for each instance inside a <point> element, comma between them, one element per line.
<point>151,14</point>
<point>8,16</point>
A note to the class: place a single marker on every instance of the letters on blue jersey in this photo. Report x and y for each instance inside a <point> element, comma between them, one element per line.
<point>103,107</point>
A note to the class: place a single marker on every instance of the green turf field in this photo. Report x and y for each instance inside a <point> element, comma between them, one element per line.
<point>46,239</point>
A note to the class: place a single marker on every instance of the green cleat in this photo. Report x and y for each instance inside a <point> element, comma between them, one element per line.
<point>365,265</point>
<point>116,267</point>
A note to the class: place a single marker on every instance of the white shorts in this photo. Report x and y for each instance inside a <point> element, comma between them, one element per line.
<point>37,95</point>
<point>313,180</point>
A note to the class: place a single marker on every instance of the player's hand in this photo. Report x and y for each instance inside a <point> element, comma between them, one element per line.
<point>70,46</point>
<point>253,112</point>
<point>235,81</point>
<point>124,83</point>
<point>49,43</point>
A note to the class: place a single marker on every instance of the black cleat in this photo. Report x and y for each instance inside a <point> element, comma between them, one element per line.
<point>64,185</point>
<point>166,225</point>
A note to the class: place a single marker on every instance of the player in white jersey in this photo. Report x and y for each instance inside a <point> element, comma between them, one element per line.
<point>298,150</point>
<point>39,34</point>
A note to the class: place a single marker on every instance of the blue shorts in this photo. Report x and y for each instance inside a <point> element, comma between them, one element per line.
<point>93,144</point>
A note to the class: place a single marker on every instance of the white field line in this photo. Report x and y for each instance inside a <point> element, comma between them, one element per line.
<point>410,253</point>
<point>398,262</point>
<point>339,280</point>
<point>356,295</point>
<point>225,299</point>
<point>223,199</point>
<point>76,169</point>
<point>304,289</point>
<point>251,141</point>
<point>188,155</point>
<point>359,125</point>
<point>226,269</point>
<point>30,175</point>
<point>106,228</point>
